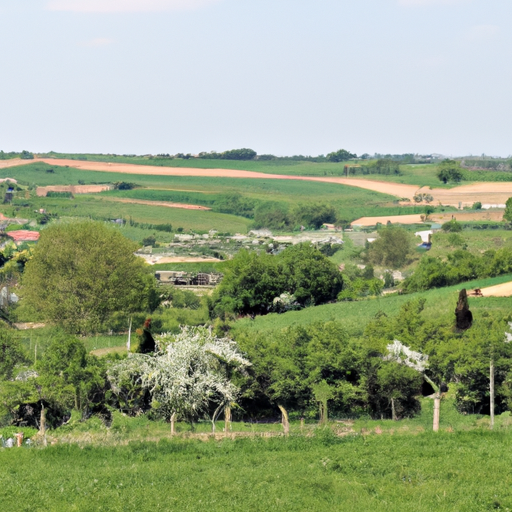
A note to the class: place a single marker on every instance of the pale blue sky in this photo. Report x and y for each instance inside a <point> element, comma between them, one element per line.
<point>279,76</point>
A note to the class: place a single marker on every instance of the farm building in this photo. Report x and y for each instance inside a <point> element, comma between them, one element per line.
<point>187,278</point>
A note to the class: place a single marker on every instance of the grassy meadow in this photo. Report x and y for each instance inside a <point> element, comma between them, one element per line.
<point>355,315</point>
<point>466,471</point>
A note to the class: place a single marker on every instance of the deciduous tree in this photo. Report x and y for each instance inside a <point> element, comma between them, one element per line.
<point>83,272</point>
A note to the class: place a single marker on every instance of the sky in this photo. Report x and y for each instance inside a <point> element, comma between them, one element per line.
<point>278,76</point>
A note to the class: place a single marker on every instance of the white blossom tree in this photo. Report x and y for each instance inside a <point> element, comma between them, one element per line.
<point>402,354</point>
<point>188,375</point>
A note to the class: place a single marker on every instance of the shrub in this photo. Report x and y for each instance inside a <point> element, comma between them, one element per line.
<point>452,226</point>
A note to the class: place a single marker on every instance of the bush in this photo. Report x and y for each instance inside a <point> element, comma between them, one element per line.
<point>149,241</point>
<point>124,185</point>
<point>452,226</point>
<point>341,155</point>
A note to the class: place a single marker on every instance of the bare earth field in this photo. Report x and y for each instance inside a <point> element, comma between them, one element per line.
<point>500,290</point>
<point>14,162</point>
<point>74,189</point>
<point>491,215</point>
<point>394,219</point>
<point>494,215</point>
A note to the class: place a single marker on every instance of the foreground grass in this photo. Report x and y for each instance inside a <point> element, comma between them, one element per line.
<point>467,471</point>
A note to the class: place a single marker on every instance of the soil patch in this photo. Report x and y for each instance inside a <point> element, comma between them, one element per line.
<point>74,189</point>
<point>492,215</point>
<point>13,162</point>
<point>499,290</point>
<point>394,219</point>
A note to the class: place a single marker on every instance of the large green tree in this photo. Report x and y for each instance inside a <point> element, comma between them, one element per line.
<point>81,273</point>
<point>252,281</point>
<point>449,170</point>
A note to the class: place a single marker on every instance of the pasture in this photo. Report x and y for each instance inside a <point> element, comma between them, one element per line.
<point>467,470</point>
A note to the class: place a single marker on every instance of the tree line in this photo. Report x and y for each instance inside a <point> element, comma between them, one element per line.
<point>314,371</point>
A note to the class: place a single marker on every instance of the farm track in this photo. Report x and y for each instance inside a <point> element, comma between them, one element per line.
<point>156,203</point>
<point>488,192</point>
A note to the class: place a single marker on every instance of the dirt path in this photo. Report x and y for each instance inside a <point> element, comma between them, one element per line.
<point>158,203</point>
<point>466,195</point>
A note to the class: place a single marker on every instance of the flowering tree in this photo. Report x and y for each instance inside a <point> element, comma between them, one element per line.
<point>188,375</point>
<point>402,354</point>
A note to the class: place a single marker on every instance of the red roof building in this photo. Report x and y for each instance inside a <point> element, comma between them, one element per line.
<point>23,235</point>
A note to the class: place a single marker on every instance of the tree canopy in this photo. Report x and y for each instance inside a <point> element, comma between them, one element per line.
<point>189,372</point>
<point>391,248</point>
<point>340,156</point>
<point>449,170</point>
<point>81,273</point>
<point>252,281</point>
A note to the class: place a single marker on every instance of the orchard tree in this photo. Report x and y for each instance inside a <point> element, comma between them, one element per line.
<point>82,273</point>
<point>188,376</point>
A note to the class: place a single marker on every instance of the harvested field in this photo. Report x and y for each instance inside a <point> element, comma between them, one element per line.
<point>394,219</point>
<point>466,195</point>
<point>159,203</point>
<point>499,290</point>
<point>13,162</point>
<point>491,215</point>
<point>74,189</point>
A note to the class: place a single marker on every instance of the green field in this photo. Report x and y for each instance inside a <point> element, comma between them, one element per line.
<point>350,202</point>
<point>356,315</point>
<point>97,208</point>
<point>466,471</point>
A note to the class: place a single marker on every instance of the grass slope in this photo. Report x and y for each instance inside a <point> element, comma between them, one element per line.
<point>356,315</point>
